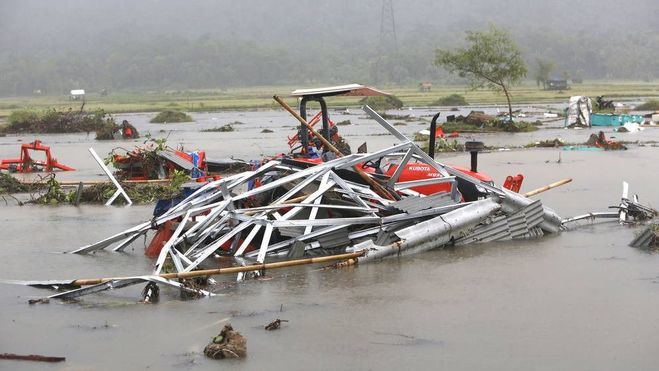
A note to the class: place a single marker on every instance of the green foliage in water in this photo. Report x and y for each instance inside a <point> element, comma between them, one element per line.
<point>139,193</point>
<point>451,100</point>
<point>9,184</point>
<point>170,116</point>
<point>651,105</point>
<point>220,129</point>
<point>444,145</point>
<point>55,121</point>
<point>382,103</point>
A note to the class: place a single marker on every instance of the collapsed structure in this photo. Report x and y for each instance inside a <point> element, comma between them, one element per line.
<point>353,208</point>
<point>303,210</point>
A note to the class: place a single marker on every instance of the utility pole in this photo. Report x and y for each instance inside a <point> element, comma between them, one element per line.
<point>388,39</point>
<point>388,43</point>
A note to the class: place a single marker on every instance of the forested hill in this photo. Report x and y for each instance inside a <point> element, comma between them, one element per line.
<point>55,46</point>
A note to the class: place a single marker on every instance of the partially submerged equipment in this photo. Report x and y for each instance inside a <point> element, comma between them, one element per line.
<point>318,95</point>
<point>26,164</point>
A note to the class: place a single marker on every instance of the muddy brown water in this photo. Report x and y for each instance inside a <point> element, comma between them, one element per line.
<point>579,300</point>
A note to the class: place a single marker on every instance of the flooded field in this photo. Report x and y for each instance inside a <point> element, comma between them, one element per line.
<point>579,300</point>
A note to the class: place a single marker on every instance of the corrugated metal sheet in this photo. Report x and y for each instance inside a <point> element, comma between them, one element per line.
<point>169,156</point>
<point>414,204</point>
<point>645,239</point>
<point>291,231</point>
<point>334,239</point>
<point>523,224</point>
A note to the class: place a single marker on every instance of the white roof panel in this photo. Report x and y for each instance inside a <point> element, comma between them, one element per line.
<point>349,90</point>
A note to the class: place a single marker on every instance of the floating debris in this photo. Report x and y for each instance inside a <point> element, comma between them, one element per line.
<point>548,143</point>
<point>220,129</point>
<point>599,140</point>
<point>275,325</point>
<point>648,238</point>
<point>111,131</point>
<point>31,357</point>
<point>228,344</point>
<point>155,160</point>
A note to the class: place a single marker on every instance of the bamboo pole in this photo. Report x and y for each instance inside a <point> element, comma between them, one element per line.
<point>231,270</point>
<point>377,187</point>
<point>547,187</point>
<point>94,182</point>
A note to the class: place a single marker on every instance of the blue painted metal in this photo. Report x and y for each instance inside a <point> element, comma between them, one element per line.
<point>608,119</point>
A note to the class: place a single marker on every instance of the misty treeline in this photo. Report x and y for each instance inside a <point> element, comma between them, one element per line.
<point>157,44</point>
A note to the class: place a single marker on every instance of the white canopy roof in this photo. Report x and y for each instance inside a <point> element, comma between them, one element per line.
<point>356,90</point>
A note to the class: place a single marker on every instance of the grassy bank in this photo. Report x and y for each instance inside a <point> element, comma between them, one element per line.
<point>261,97</point>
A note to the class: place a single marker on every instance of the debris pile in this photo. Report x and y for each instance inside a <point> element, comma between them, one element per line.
<point>220,129</point>
<point>599,140</point>
<point>578,112</point>
<point>648,238</point>
<point>228,344</point>
<point>275,325</point>
<point>478,121</point>
<point>154,160</point>
<point>358,207</point>
<point>51,191</point>
<point>111,131</point>
<point>548,143</point>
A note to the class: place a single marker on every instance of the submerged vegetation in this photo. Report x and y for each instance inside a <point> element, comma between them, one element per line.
<point>9,184</point>
<point>382,103</point>
<point>444,145</point>
<point>650,105</point>
<point>53,121</point>
<point>451,100</point>
<point>220,129</point>
<point>490,126</point>
<point>170,116</point>
<point>139,193</point>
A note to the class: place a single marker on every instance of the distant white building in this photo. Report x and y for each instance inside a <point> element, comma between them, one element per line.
<point>77,94</point>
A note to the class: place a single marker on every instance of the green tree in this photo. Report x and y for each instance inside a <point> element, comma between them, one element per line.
<point>491,59</point>
<point>543,70</point>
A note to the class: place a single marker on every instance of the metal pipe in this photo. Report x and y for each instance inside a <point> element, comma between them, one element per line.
<point>431,141</point>
<point>431,233</point>
<point>473,148</point>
